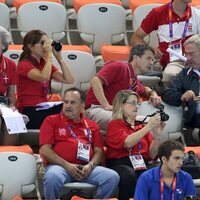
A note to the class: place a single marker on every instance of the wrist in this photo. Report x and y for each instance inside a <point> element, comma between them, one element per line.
<point>61,60</point>
<point>151,92</point>
<point>92,165</point>
<point>157,138</point>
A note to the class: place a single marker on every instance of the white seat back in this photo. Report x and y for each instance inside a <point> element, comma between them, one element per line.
<point>13,55</point>
<point>138,15</point>
<point>150,81</point>
<point>4,16</point>
<point>82,66</point>
<point>17,174</point>
<point>49,17</point>
<point>173,126</point>
<point>101,23</point>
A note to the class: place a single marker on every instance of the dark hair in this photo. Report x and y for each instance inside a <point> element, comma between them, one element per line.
<point>166,148</point>
<point>139,50</point>
<point>32,38</point>
<point>73,89</point>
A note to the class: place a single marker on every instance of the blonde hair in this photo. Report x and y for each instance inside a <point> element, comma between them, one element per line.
<point>195,39</point>
<point>120,98</point>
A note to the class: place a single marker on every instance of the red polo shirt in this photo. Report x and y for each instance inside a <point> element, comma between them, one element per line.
<point>116,76</point>
<point>31,92</point>
<point>117,132</point>
<point>7,74</point>
<point>55,131</point>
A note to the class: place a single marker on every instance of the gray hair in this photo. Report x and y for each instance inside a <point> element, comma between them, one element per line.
<point>195,39</point>
<point>5,37</point>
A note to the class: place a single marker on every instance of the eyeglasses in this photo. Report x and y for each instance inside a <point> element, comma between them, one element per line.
<point>133,103</point>
<point>192,54</point>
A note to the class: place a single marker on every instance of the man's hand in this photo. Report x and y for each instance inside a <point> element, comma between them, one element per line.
<point>87,169</point>
<point>154,99</point>
<point>109,108</point>
<point>188,96</point>
<point>75,171</point>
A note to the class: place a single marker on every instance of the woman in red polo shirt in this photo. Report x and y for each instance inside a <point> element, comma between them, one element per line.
<point>7,85</point>
<point>130,145</point>
<point>35,71</point>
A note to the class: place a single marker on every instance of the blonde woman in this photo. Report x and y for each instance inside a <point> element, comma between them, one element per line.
<point>130,145</point>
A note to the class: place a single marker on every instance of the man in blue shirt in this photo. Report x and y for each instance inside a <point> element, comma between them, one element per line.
<point>166,182</point>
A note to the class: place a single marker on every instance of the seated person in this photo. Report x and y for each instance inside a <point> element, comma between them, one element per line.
<point>7,86</point>
<point>116,76</point>
<point>173,22</point>
<point>185,89</point>
<point>72,146</point>
<point>166,181</point>
<point>130,145</point>
<point>35,71</point>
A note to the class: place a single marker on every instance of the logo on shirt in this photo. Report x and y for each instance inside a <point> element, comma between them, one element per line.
<point>62,132</point>
<point>179,191</point>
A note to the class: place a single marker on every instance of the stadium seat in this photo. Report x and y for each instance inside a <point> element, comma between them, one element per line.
<point>101,23</point>
<point>18,171</point>
<point>49,17</point>
<point>80,198</point>
<point>14,52</point>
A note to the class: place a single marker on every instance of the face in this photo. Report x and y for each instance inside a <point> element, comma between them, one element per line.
<point>38,49</point>
<point>130,107</point>
<point>175,161</point>
<point>145,62</point>
<point>72,106</point>
<point>193,56</point>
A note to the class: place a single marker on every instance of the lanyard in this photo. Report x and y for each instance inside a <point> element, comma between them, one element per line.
<point>89,134</point>
<point>171,24</point>
<point>162,187</point>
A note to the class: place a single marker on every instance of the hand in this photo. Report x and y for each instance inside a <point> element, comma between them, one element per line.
<point>156,131</point>
<point>75,171</point>
<point>87,169</point>
<point>109,108</point>
<point>197,99</point>
<point>154,121</point>
<point>188,96</point>
<point>154,99</point>
<point>13,108</point>
<point>48,49</point>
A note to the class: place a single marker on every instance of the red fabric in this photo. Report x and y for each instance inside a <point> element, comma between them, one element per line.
<point>54,131</point>
<point>117,132</point>
<point>158,19</point>
<point>115,76</point>
<point>31,92</point>
<point>9,70</point>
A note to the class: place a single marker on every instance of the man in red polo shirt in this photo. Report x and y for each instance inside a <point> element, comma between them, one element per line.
<point>174,23</point>
<point>116,76</point>
<point>72,146</point>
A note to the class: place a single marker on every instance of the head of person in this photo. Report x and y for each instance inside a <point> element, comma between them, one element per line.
<point>125,105</point>
<point>5,40</point>
<point>33,44</point>
<point>171,155</point>
<point>141,58</point>
<point>192,51</point>
<point>73,103</point>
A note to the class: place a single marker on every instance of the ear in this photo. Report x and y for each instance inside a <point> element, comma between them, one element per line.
<point>164,159</point>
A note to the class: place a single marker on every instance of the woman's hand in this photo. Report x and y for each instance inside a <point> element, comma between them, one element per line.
<point>156,131</point>
<point>48,49</point>
<point>154,121</point>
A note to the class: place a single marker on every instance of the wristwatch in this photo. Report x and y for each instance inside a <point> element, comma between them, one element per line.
<point>92,164</point>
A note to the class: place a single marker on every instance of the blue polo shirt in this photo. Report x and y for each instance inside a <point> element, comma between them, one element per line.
<point>148,186</point>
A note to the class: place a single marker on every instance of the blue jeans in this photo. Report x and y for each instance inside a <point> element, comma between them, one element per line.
<point>56,176</point>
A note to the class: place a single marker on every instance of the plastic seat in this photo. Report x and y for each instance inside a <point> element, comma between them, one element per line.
<point>18,171</point>
<point>80,198</point>
<point>14,52</point>
<point>150,81</point>
<point>173,126</point>
<point>49,17</point>
<point>101,23</point>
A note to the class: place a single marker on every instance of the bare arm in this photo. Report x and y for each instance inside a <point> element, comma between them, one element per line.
<point>11,95</point>
<point>153,96</point>
<point>138,37</point>
<point>97,86</point>
<point>134,138</point>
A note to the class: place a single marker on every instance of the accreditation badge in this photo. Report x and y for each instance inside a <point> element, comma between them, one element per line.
<point>83,152</point>
<point>137,162</point>
<point>177,47</point>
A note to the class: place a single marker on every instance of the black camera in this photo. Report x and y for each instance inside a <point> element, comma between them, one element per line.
<point>57,45</point>
<point>164,116</point>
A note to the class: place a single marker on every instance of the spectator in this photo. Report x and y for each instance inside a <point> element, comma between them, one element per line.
<point>185,89</point>
<point>70,130</point>
<point>7,85</point>
<point>116,76</point>
<point>173,22</point>
<point>166,181</point>
<point>130,145</point>
<point>35,71</point>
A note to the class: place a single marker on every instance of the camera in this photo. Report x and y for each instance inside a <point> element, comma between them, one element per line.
<point>164,116</point>
<point>57,45</point>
